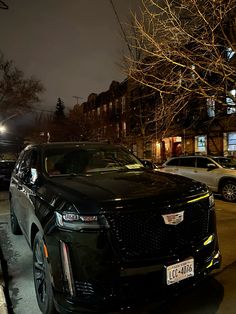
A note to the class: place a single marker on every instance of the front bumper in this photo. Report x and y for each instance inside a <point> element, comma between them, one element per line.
<point>102,282</point>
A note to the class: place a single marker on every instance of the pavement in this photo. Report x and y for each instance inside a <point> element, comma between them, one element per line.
<point>3,302</point>
<point>4,295</point>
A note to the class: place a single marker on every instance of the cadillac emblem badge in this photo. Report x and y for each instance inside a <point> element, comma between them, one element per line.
<point>173,219</point>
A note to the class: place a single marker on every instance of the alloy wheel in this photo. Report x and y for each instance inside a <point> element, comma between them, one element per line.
<point>43,286</point>
<point>229,191</point>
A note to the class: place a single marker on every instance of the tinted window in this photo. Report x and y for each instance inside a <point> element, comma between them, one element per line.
<point>202,162</point>
<point>226,162</point>
<point>173,162</point>
<point>29,160</point>
<point>62,161</point>
<point>187,162</point>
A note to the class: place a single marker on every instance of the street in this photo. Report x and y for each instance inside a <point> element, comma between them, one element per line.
<point>215,295</point>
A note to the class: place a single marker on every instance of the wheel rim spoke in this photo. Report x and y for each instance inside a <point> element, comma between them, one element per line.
<point>40,275</point>
<point>229,192</point>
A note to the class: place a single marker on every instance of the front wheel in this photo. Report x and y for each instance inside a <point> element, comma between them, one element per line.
<point>42,283</point>
<point>229,191</point>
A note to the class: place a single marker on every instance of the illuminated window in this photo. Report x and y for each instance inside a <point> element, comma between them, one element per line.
<point>231,106</point>
<point>211,107</point>
<point>230,53</point>
<point>117,129</point>
<point>200,144</point>
<point>232,141</point>
<point>124,128</point>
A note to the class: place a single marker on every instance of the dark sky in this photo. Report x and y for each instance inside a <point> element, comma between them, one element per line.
<point>73,46</point>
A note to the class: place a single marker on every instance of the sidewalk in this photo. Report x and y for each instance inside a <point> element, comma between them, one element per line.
<point>3,303</point>
<point>4,294</point>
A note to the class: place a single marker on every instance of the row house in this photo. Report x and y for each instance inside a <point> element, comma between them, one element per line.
<point>116,115</point>
<point>125,114</point>
<point>105,114</point>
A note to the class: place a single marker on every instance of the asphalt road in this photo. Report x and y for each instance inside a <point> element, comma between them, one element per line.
<point>215,295</point>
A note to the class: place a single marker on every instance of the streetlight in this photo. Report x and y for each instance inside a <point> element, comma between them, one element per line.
<point>2,129</point>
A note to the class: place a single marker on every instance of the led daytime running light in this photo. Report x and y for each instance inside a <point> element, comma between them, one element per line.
<point>199,198</point>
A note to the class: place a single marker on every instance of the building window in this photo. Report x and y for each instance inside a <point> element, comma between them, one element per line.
<point>105,130</point>
<point>201,144</point>
<point>110,106</point>
<point>124,128</point>
<point>118,130</point>
<point>116,106</point>
<point>232,141</point>
<point>230,53</point>
<point>98,111</point>
<point>105,107</point>
<point>148,150</point>
<point>123,104</point>
<point>211,107</point>
<point>231,106</point>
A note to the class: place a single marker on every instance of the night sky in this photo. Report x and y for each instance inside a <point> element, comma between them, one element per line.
<point>73,46</point>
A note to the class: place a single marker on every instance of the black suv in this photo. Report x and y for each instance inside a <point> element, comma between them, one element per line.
<point>105,231</point>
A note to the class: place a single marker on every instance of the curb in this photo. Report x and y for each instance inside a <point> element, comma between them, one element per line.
<point>3,303</point>
<point>3,284</point>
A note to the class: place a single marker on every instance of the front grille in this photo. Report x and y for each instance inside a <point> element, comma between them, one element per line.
<point>143,234</point>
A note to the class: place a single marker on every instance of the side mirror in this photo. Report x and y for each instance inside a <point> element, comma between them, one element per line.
<point>211,167</point>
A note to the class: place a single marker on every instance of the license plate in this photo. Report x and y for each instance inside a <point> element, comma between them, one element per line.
<point>179,271</point>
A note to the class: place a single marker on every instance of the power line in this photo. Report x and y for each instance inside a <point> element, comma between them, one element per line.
<point>121,27</point>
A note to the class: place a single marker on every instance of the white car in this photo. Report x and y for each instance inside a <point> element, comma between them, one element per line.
<point>219,173</point>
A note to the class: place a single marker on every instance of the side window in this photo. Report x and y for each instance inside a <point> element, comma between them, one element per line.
<point>19,160</point>
<point>173,162</point>
<point>29,161</point>
<point>187,162</point>
<point>202,162</point>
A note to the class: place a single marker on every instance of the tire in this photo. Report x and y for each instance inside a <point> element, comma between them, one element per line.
<point>42,283</point>
<point>15,228</point>
<point>228,191</point>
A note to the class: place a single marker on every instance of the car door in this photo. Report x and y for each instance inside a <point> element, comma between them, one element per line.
<point>171,166</point>
<point>187,167</point>
<point>26,193</point>
<point>205,174</point>
<point>14,191</point>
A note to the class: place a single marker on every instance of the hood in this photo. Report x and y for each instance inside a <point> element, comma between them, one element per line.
<point>105,187</point>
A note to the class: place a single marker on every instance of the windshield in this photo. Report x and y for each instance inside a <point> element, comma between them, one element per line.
<point>226,162</point>
<point>67,161</point>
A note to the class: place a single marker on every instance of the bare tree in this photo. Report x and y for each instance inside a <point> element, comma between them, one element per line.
<point>183,53</point>
<point>17,93</point>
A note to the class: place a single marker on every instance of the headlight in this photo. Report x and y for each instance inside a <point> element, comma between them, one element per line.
<point>71,219</point>
<point>211,200</point>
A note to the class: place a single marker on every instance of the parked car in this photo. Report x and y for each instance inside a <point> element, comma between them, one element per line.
<point>106,232</point>
<point>219,173</point>
<point>148,164</point>
<point>6,168</point>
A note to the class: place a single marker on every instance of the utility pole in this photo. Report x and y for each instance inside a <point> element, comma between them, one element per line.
<point>77,99</point>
